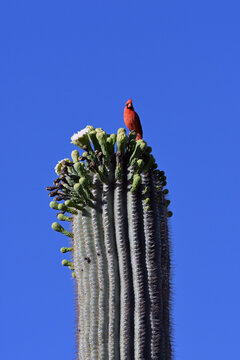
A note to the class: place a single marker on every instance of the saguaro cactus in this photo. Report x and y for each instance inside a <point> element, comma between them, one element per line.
<point>119,245</point>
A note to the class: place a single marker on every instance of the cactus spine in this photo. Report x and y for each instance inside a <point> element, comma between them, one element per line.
<point>120,247</point>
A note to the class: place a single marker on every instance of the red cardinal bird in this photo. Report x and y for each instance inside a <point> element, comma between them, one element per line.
<point>132,120</point>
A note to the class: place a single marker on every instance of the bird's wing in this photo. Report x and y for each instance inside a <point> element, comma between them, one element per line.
<point>139,124</point>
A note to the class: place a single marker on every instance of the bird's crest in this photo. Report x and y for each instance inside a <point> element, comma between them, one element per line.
<point>129,103</point>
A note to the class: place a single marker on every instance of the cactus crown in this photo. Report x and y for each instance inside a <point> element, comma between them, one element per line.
<point>74,184</point>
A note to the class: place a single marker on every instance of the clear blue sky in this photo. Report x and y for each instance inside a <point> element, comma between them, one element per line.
<point>67,64</point>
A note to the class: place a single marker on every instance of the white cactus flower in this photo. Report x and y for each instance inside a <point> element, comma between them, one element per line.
<point>81,138</point>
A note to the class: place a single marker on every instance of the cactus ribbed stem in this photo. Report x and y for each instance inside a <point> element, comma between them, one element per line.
<point>120,250</point>
<point>165,276</point>
<point>136,236</point>
<point>103,305</point>
<point>77,258</point>
<point>82,275</point>
<point>151,238</point>
<point>125,270</point>
<point>91,259</point>
<point>113,271</point>
<point>159,320</point>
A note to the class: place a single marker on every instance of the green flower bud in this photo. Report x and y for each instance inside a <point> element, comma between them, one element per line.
<point>146,190</point>
<point>121,140</point>
<point>65,262</point>
<point>111,140</point>
<point>84,154</point>
<point>57,227</point>
<point>54,205</point>
<point>83,182</point>
<point>86,194</point>
<point>136,182</point>
<point>92,136</point>
<point>131,142</point>
<point>65,249</point>
<point>118,172</point>
<point>80,168</point>
<point>77,187</point>
<point>70,264</point>
<point>138,151</point>
<point>70,203</point>
<point>86,186</point>
<point>139,165</point>
<point>63,207</point>
<point>102,139</point>
<point>75,156</point>
<point>147,201</point>
<point>63,217</point>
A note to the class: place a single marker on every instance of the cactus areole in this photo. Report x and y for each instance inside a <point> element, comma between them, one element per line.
<point>115,198</point>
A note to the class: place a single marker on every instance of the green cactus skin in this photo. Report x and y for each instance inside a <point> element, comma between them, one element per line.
<point>120,246</point>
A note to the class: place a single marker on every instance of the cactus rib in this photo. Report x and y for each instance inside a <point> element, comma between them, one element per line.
<point>82,283</point>
<point>103,299</point>
<point>165,275</point>
<point>86,289</point>
<point>113,270</point>
<point>91,260</point>
<point>142,330</point>
<point>125,270</point>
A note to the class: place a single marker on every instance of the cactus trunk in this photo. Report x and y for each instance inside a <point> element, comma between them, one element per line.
<point>120,252</point>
